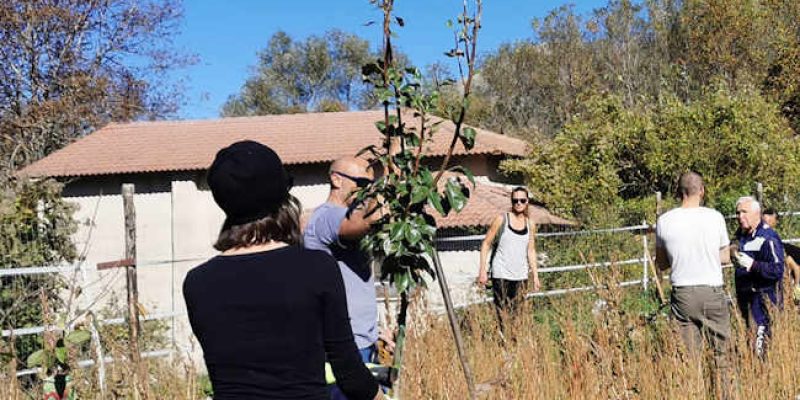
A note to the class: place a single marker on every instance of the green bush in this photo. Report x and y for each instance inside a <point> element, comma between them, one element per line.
<point>35,230</point>
<point>606,164</point>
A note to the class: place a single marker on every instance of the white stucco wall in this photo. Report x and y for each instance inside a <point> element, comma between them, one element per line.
<point>177,222</point>
<point>175,231</point>
<point>461,270</point>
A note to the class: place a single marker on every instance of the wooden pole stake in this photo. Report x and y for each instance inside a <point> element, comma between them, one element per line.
<point>657,279</point>
<point>139,374</point>
<point>451,315</point>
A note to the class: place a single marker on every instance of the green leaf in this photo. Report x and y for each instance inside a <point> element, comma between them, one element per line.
<point>36,358</point>
<point>384,94</point>
<point>396,232</point>
<point>435,201</point>
<point>61,354</point>
<point>387,247</point>
<point>427,229</point>
<point>399,248</point>
<point>429,249</point>
<point>466,172</point>
<point>468,137</point>
<point>426,178</point>
<point>412,139</point>
<point>381,125</point>
<point>401,282</point>
<point>455,196</point>
<point>419,193</point>
<point>402,189</point>
<point>413,235</point>
<point>77,337</point>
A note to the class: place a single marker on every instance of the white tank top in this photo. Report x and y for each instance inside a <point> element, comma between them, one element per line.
<point>510,260</point>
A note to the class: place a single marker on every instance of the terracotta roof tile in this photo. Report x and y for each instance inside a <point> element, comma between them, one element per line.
<point>191,145</point>
<point>486,202</point>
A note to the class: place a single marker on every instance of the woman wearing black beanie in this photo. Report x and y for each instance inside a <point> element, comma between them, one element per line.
<point>267,312</point>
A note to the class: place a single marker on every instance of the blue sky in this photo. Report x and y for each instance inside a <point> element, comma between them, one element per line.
<point>226,35</point>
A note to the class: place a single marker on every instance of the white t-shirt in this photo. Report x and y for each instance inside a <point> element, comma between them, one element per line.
<point>693,237</point>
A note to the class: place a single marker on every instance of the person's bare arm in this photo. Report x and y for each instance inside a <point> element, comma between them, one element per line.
<point>794,269</point>
<point>533,261</point>
<point>725,255</point>
<point>486,246</point>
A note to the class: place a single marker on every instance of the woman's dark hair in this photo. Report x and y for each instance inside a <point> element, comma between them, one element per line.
<point>527,196</point>
<point>520,189</point>
<point>283,225</point>
<point>771,211</point>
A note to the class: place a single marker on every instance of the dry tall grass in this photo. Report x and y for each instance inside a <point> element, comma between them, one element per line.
<point>572,347</point>
<point>562,349</point>
<point>174,378</point>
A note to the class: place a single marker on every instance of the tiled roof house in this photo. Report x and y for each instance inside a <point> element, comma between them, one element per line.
<point>176,218</point>
<point>305,142</point>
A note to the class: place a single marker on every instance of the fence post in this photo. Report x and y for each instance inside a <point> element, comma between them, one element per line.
<point>131,287</point>
<point>91,323</point>
<point>760,193</point>
<point>659,204</point>
<point>98,353</point>
<point>645,275</point>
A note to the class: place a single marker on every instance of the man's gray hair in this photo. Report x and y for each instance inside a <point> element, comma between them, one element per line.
<point>754,204</point>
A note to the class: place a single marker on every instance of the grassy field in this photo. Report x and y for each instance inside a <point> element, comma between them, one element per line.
<point>569,348</point>
<point>614,344</point>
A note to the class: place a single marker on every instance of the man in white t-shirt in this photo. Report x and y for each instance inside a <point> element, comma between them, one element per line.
<point>693,241</point>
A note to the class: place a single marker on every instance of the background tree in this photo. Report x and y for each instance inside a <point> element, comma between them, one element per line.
<point>782,83</point>
<point>602,167</point>
<point>626,53</point>
<point>321,73</point>
<point>68,67</point>
<point>618,102</point>
<point>535,85</point>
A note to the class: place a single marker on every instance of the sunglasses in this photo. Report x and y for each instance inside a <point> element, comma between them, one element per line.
<point>519,201</point>
<point>360,181</point>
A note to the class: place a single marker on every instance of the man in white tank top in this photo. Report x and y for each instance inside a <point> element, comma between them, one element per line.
<point>693,241</point>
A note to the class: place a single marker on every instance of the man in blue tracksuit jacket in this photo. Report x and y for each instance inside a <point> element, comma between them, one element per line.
<point>759,268</point>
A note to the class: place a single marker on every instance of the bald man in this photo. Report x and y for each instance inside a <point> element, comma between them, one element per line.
<point>692,240</point>
<point>336,227</point>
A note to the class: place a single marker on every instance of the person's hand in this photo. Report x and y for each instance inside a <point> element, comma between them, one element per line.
<point>483,277</point>
<point>743,260</point>
<point>536,284</point>
<point>388,338</point>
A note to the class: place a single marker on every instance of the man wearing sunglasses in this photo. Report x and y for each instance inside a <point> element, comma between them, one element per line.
<point>336,227</point>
